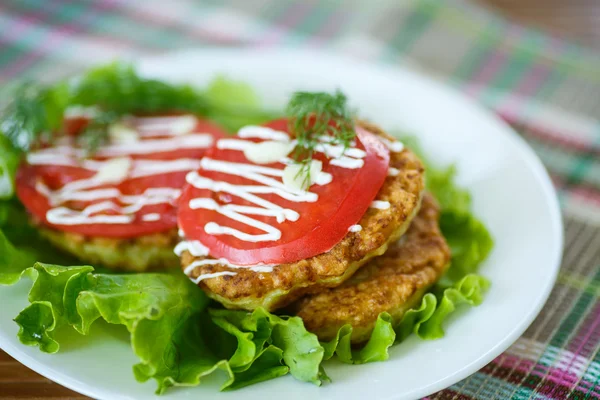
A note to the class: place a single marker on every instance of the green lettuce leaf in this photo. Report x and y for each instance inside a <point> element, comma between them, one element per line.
<point>451,197</point>
<point>376,349</point>
<point>9,160</point>
<point>469,241</point>
<point>441,182</point>
<point>12,261</point>
<point>426,321</point>
<point>118,88</point>
<point>22,236</point>
<point>162,312</point>
<point>468,238</point>
<point>177,339</point>
<point>224,92</point>
<point>301,350</point>
<point>235,104</point>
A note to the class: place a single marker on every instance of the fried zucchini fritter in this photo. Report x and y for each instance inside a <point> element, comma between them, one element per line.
<point>143,253</point>
<point>287,282</point>
<point>394,282</point>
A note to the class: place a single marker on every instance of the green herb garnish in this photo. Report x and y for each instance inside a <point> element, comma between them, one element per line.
<point>118,89</point>
<point>316,118</point>
<point>36,112</point>
<point>95,134</point>
<point>33,113</point>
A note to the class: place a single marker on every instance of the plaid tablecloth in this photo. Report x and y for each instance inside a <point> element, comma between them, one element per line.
<point>547,89</point>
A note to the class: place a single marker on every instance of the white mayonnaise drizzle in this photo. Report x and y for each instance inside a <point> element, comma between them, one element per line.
<point>263,175</point>
<point>394,146</point>
<point>213,275</point>
<point>262,132</point>
<point>262,268</point>
<point>43,157</point>
<point>197,249</point>
<point>175,125</point>
<point>152,167</point>
<point>355,228</point>
<point>246,192</point>
<point>268,152</point>
<point>393,171</point>
<point>222,261</point>
<point>81,112</point>
<point>380,205</point>
<point>269,181</point>
<point>57,155</point>
<point>166,195</point>
<point>151,217</point>
<point>347,162</point>
<point>117,168</point>
<point>139,168</point>
<point>191,141</point>
<point>67,216</point>
<point>194,247</point>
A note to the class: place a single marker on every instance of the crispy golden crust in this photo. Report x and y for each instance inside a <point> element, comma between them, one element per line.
<point>149,252</point>
<point>393,282</point>
<point>287,282</point>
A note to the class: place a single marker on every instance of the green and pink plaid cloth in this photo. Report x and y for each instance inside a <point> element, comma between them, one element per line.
<point>547,89</point>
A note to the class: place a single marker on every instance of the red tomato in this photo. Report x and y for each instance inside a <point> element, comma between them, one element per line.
<point>153,215</point>
<point>321,224</point>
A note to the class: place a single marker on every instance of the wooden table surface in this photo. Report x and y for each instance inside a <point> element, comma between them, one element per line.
<point>578,20</point>
<point>19,382</point>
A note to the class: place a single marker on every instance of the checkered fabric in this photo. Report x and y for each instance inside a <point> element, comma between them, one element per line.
<point>547,89</point>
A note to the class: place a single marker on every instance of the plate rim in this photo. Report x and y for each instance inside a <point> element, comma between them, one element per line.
<point>526,152</point>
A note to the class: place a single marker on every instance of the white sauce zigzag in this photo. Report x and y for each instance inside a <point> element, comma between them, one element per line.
<point>168,134</point>
<point>269,181</point>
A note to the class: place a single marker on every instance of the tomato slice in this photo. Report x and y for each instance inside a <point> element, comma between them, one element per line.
<point>320,225</point>
<point>142,202</point>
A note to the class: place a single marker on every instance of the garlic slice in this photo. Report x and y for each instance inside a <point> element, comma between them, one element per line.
<point>294,180</point>
<point>122,134</point>
<point>267,152</point>
<point>113,171</point>
<point>183,125</point>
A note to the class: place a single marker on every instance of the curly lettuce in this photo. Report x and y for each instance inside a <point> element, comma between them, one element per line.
<point>235,104</point>
<point>470,243</point>
<point>176,337</point>
<point>12,261</point>
<point>9,160</point>
<point>426,321</point>
<point>25,239</point>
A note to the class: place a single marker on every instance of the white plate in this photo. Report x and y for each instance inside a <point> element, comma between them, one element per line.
<point>512,195</point>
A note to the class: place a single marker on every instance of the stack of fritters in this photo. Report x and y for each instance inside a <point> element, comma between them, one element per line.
<point>385,267</point>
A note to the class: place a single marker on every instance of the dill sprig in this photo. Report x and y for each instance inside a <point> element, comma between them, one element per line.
<point>95,134</point>
<point>33,113</point>
<point>315,118</point>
